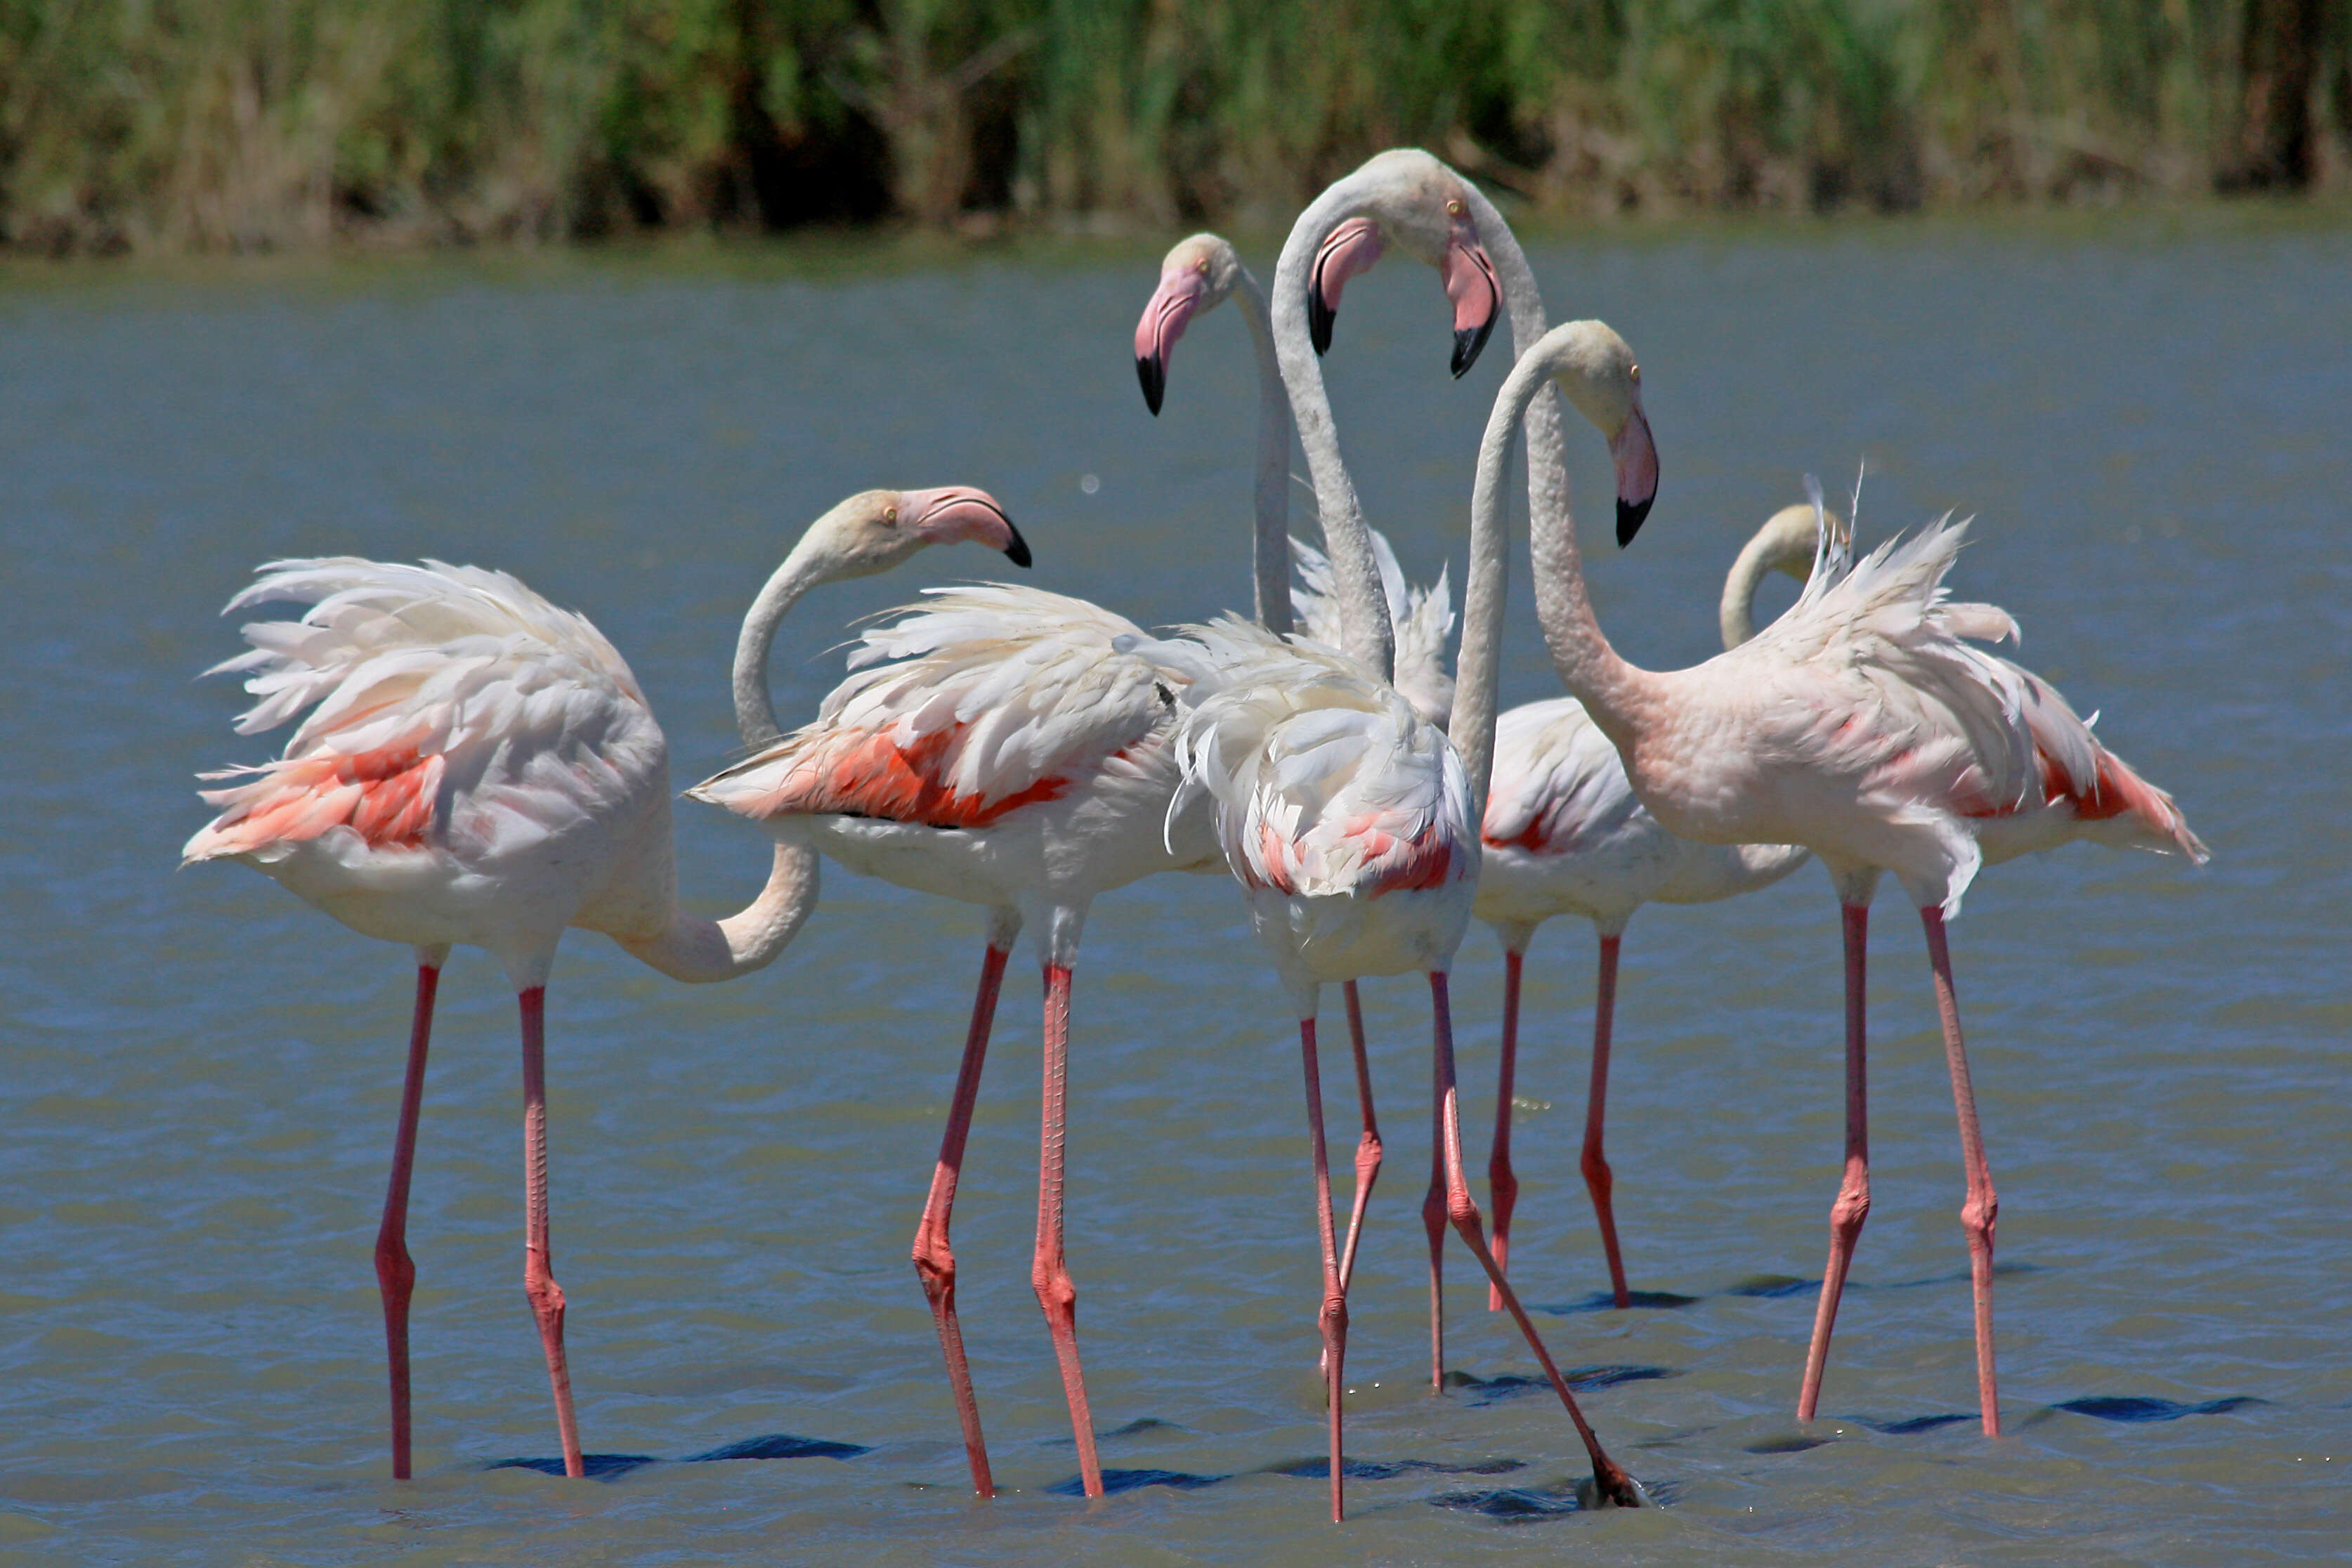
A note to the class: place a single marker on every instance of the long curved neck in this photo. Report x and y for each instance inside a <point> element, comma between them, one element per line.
<point>1737,613</point>
<point>1270,549</point>
<point>699,951</point>
<point>755,710</point>
<point>1485,590</point>
<point>1614,692</point>
<point>1355,575</point>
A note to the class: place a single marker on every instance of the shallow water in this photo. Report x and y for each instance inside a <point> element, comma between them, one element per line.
<point>203,1073</point>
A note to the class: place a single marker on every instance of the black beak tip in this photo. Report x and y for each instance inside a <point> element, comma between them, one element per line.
<point>1018,550</point>
<point>1629,518</point>
<point>1320,317</point>
<point>1468,343</point>
<point>1153,373</point>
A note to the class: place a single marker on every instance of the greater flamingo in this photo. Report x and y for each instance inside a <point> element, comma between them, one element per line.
<point>1564,834</point>
<point>479,766</point>
<point>1860,724</point>
<point>1004,749</point>
<point>1348,819</point>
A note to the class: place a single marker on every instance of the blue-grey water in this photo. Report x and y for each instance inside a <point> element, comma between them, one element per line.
<point>2149,425</point>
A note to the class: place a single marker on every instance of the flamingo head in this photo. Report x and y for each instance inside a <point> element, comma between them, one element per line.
<point>1413,201</point>
<point>1197,276</point>
<point>1596,369</point>
<point>874,530</point>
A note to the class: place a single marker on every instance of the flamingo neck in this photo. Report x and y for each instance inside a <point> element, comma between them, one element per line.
<point>1485,590</point>
<point>1365,632</point>
<point>1764,553</point>
<point>699,951</point>
<point>755,709</point>
<point>1270,549</point>
<point>1619,697</point>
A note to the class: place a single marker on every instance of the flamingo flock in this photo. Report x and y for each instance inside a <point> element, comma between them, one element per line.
<point>472,766</point>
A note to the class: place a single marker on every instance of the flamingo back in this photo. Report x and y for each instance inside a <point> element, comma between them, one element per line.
<point>986,699</point>
<point>1423,618</point>
<point>1324,781</point>
<point>446,707</point>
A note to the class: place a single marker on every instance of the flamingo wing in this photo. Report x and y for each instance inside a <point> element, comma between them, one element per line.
<point>984,700</point>
<point>1559,784</point>
<point>1324,781</point>
<point>440,706</point>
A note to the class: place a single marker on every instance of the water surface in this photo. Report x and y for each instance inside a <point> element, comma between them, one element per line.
<point>203,1073</point>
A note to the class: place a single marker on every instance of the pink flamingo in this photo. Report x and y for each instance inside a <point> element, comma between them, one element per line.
<point>1862,725</point>
<point>479,766</point>
<point>1003,747</point>
<point>1347,818</point>
<point>1564,834</point>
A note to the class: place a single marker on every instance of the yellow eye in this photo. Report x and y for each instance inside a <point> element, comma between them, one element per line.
<point>1454,206</point>
<point>1201,267</point>
<point>889,514</point>
<point>1636,372</point>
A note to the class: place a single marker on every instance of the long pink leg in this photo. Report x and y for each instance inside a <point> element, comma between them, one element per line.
<point>1502,1184</point>
<point>1368,1146</point>
<point>1432,1222</point>
<point>396,1274</point>
<point>1982,1206</point>
<point>935,1262</point>
<point>1048,1273</point>
<point>1613,1485</point>
<point>1598,1179</point>
<point>1333,1319</point>
<point>1852,1206</point>
<point>537,1271</point>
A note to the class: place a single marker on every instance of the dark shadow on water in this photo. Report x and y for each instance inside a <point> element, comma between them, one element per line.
<point>1117,1482</point>
<point>1772,1287</point>
<point>1513,1505</point>
<point>1135,1428</point>
<point>1794,1443</point>
<point>1605,1301</point>
<point>1581,1379</point>
<point>1909,1424</point>
<point>2132,1408</point>
<point>781,1446</point>
<point>1316,1468</point>
<point>599,1466</point>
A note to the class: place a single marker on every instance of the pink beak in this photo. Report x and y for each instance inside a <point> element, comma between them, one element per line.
<point>955,512</point>
<point>1165,316</point>
<point>1477,299</point>
<point>1350,249</point>
<point>1636,458</point>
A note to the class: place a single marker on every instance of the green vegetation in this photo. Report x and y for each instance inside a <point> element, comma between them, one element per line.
<point>246,124</point>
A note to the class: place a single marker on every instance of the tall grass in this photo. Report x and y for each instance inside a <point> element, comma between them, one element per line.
<point>212,124</point>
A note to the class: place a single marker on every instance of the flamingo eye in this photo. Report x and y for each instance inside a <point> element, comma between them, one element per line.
<point>1201,267</point>
<point>1454,206</point>
<point>889,514</point>
<point>1635,373</point>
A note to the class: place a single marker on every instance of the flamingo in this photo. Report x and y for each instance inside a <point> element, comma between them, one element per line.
<point>1349,820</point>
<point>477,765</point>
<point>1862,725</point>
<point>999,746</point>
<point>1563,835</point>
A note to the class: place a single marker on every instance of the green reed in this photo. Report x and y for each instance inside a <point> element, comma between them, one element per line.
<point>210,124</point>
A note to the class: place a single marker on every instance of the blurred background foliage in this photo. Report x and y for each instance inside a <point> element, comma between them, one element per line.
<point>249,125</point>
